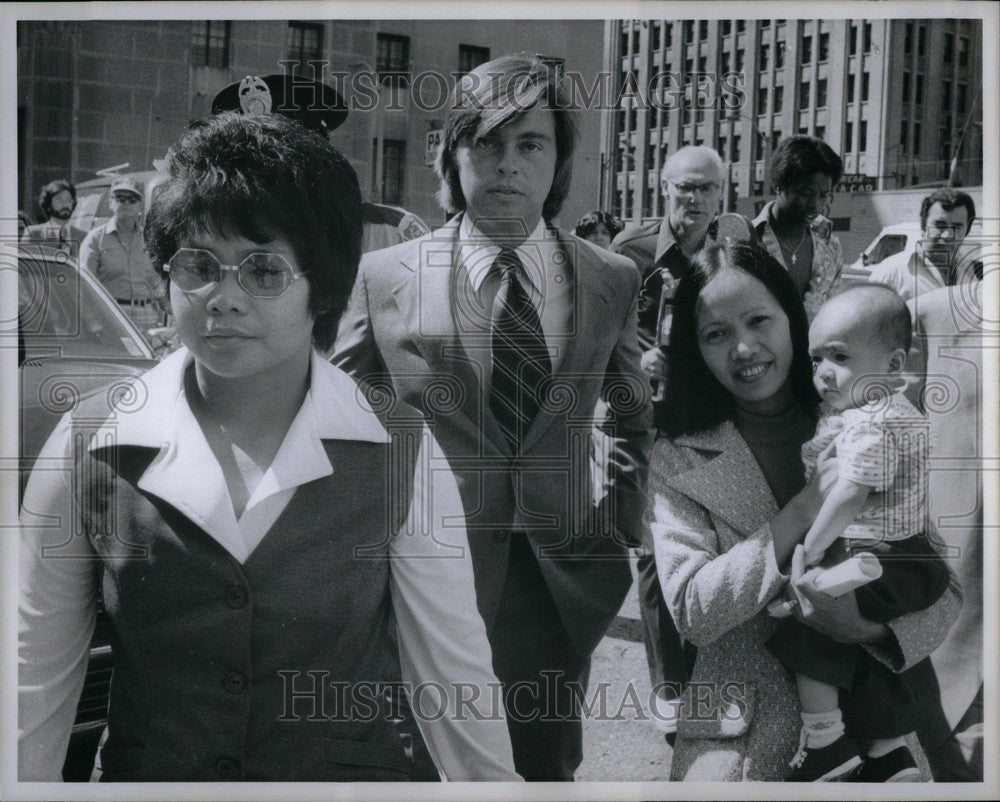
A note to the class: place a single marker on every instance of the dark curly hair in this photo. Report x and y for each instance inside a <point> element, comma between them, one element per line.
<point>695,400</point>
<point>50,190</point>
<point>797,157</point>
<point>265,177</point>
<point>588,224</point>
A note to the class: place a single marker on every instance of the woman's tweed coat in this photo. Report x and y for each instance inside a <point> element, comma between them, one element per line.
<point>709,511</point>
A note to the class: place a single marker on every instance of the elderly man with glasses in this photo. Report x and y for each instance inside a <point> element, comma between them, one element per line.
<point>116,253</point>
<point>793,227</point>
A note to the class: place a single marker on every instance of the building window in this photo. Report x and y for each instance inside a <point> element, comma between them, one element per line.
<point>305,42</point>
<point>741,25</point>
<point>920,90</point>
<point>868,39</point>
<point>727,27</point>
<point>669,34</point>
<point>392,57</point>
<point>820,131</point>
<point>906,87</point>
<point>821,94</point>
<point>765,23</point>
<point>655,31</point>
<point>764,50</point>
<point>807,50</point>
<point>824,46</point>
<point>904,135</point>
<point>963,51</point>
<point>849,137</point>
<point>762,100</point>
<point>688,31</point>
<point>703,30</point>
<point>921,41</point>
<point>725,63</point>
<point>471,56</point>
<point>946,96</point>
<point>688,69</point>
<point>804,95</point>
<point>944,144</point>
<point>962,97</point>
<point>864,86</point>
<point>862,136</point>
<point>779,98</point>
<point>916,139</point>
<point>850,88</point>
<point>739,60</point>
<point>949,47</point>
<point>853,47</point>
<point>908,39</point>
<point>779,55</point>
<point>393,168</point>
<point>775,139</point>
<point>760,145</point>
<point>702,64</point>
<point>737,148</point>
<point>210,41</point>
<point>723,144</point>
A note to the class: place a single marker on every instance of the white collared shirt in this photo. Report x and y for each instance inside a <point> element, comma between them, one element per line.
<point>549,273</point>
<point>441,636</point>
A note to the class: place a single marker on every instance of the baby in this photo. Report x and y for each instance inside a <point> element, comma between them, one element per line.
<point>858,344</point>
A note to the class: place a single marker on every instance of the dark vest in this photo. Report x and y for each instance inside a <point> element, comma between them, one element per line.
<point>271,670</point>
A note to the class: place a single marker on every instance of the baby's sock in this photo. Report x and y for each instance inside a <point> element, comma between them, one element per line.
<point>883,746</point>
<point>822,729</point>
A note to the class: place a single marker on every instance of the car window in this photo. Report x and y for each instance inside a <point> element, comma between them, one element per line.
<point>887,246</point>
<point>61,312</point>
<point>88,203</point>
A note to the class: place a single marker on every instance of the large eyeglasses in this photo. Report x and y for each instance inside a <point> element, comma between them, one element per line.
<point>262,275</point>
<point>689,188</point>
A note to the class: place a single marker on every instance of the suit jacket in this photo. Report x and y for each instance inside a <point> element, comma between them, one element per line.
<point>710,510</point>
<point>946,367</point>
<point>71,237</point>
<point>401,335</point>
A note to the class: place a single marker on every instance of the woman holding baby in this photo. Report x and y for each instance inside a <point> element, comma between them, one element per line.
<point>730,510</point>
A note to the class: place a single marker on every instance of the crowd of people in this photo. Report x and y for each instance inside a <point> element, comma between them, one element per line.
<point>360,475</point>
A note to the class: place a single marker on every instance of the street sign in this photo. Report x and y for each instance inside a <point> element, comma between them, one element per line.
<point>433,143</point>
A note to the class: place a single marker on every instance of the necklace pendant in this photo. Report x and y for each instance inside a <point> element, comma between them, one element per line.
<point>793,258</point>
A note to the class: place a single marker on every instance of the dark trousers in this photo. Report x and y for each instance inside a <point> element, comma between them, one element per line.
<point>876,702</point>
<point>541,671</point>
<point>670,658</point>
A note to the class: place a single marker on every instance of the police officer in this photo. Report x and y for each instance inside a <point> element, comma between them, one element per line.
<point>320,108</point>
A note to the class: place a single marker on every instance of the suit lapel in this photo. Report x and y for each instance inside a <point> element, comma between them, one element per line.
<point>433,300</point>
<point>590,303</point>
<point>746,507</point>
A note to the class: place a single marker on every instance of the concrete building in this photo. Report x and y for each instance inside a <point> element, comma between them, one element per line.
<point>893,97</point>
<point>96,94</point>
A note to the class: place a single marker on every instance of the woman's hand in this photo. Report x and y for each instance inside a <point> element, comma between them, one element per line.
<point>838,618</point>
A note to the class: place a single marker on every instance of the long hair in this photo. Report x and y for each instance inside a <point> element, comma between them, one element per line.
<point>50,190</point>
<point>265,177</point>
<point>495,94</point>
<point>695,400</point>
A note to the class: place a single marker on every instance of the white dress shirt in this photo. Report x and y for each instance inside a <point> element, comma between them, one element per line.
<point>549,284</point>
<point>442,638</point>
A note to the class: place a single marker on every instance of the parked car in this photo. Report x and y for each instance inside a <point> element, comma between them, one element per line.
<point>92,207</point>
<point>73,342</point>
<point>899,238</point>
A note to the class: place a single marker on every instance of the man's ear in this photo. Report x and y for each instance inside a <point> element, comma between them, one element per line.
<point>897,359</point>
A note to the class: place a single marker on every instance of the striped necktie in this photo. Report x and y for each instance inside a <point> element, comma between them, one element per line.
<point>521,360</point>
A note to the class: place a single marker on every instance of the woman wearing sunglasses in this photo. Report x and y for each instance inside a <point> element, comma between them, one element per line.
<point>794,227</point>
<point>255,531</point>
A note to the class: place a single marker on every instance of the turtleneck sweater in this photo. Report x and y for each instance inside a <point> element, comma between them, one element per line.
<point>776,442</point>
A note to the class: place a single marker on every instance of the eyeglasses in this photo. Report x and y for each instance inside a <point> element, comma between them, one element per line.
<point>689,188</point>
<point>262,275</point>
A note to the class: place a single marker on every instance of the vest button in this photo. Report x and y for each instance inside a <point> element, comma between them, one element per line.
<point>227,768</point>
<point>235,682</point>
<point>500,536</point>
<point>236,597</point>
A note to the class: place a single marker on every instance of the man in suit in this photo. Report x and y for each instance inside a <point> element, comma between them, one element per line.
<point>57,201</point>
<point>691,181</point>
<point>505,332</point>
<point>945,369</point>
